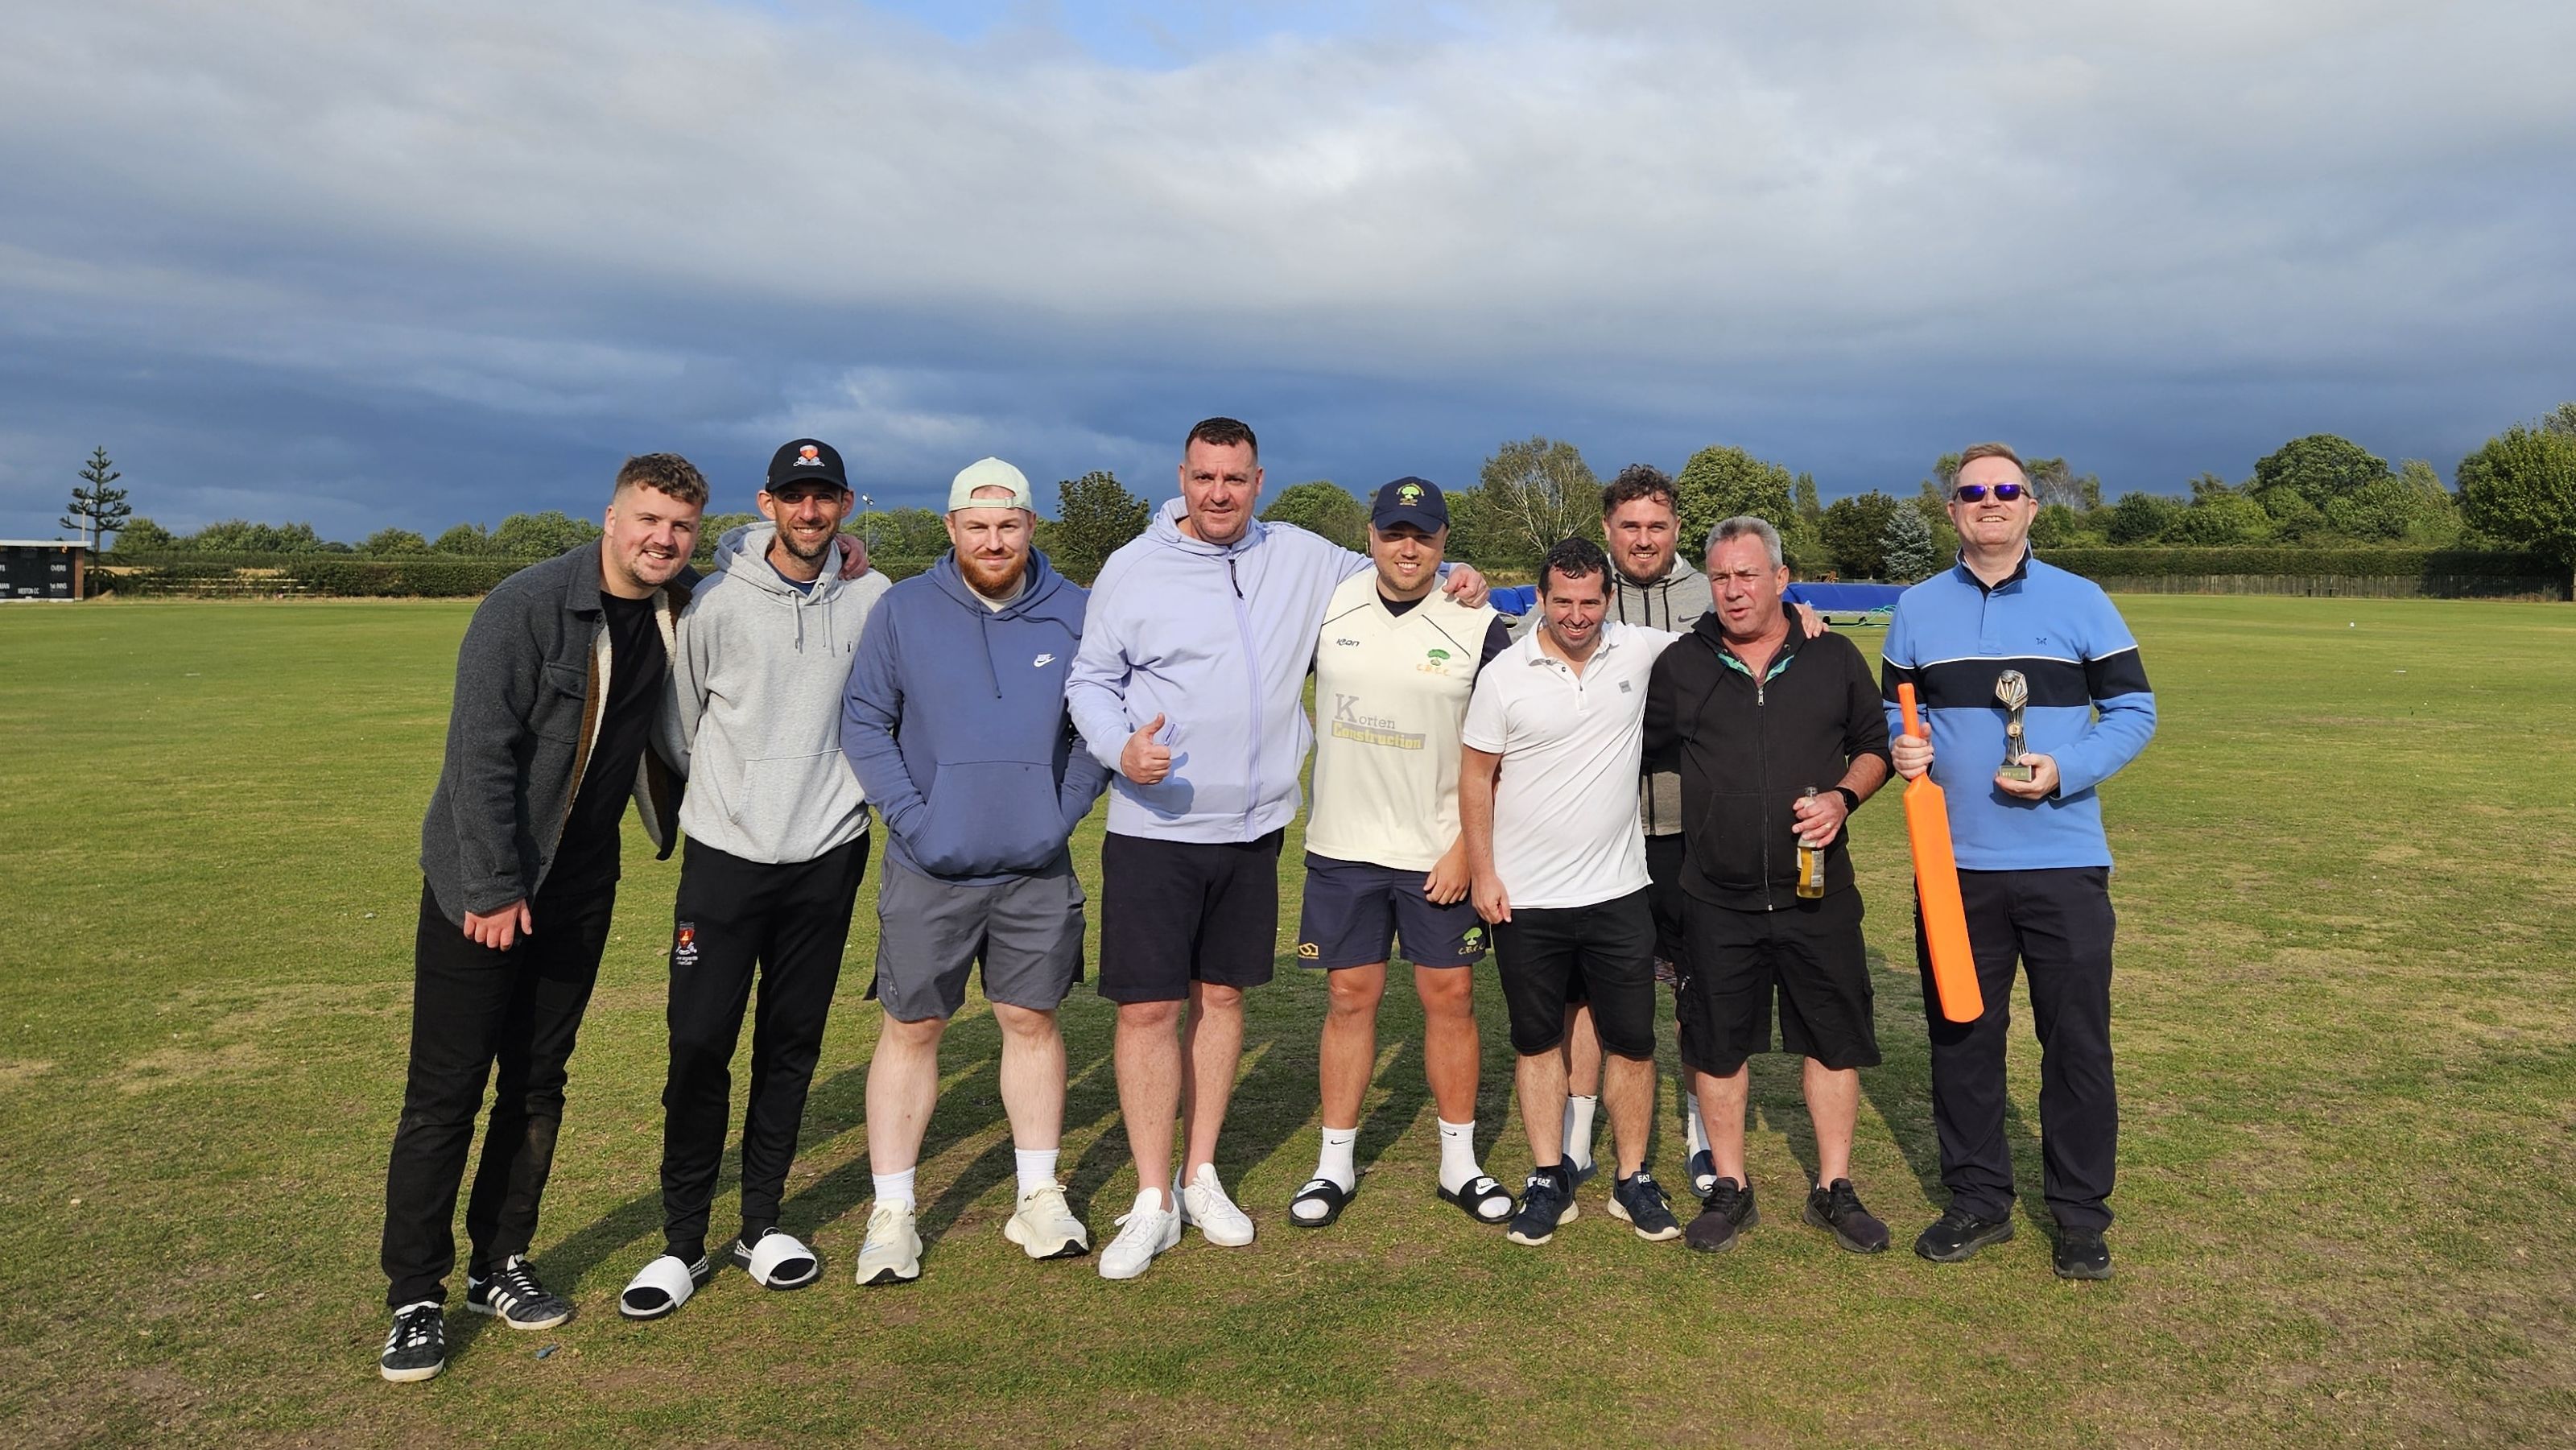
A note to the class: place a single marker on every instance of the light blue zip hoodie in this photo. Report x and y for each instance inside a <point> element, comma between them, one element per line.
<point>1217,640</point>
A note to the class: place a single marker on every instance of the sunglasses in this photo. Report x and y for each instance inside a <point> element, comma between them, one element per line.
<point>1976,492</point>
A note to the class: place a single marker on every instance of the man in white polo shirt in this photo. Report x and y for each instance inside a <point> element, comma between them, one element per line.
<point>1547,797</point>
<point>1394,666</point>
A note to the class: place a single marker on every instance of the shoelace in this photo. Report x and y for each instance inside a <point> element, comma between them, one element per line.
<point>516,1284</point>
<point>412,1329</point>
<point>1723,1197</point>
<point>1841,1198</point>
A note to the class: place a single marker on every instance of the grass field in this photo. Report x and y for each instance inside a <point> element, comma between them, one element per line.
<point>2346,1025</point>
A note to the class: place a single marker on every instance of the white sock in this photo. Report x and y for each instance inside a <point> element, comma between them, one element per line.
<point>1692,1127</point>
<point>1336,1160</point>
<point>1578,1131</point>
<point>895,1187</point>
<point>1036,1167</point>
<point>1458,1165</point>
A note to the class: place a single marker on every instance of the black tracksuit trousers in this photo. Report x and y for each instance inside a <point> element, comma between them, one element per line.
<point>790,922</point>
<point>2058,925</point>
<point>474,1009</point>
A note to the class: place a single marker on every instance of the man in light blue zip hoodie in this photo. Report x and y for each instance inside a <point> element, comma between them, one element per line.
<point>777,828</point>
<point>1189,685</point>
<point>956,724</point>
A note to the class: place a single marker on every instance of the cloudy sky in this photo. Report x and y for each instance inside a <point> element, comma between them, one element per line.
<point>369,265</point>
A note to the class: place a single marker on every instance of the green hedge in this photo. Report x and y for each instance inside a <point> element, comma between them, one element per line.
<point>2366,563</point>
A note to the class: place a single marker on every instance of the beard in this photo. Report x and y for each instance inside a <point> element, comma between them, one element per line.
<point>819,554</point>
<point>992,578</point>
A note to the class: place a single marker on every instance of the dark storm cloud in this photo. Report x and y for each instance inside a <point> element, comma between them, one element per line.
<point>297,261</point>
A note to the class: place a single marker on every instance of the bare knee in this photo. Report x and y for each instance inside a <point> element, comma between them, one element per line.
<point>1356,993</point>
<point>1024,1025</point>
<point>1449,992</point>
<point>918,1036</point>
<point>1148,1016</point>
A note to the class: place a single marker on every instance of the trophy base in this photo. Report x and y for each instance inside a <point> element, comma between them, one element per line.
<point>2018,772</point>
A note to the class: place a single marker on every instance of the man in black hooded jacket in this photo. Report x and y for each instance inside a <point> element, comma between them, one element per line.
<point>1778,739</point>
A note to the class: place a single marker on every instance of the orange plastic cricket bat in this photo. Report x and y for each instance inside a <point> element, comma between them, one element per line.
<point>1936,886</point>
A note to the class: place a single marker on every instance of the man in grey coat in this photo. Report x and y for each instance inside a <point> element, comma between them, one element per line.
<point>558,685</point>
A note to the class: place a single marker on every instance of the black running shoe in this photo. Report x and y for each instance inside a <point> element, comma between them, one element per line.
<point>2081,1254</point>
<point>514,1296</point>
<point>1957,1234</point>
<point>416,1348</point>
<point>1639,1199</point>
<point>1725,1211</point>
<point>1836,1207</point>
<point>1546,1201</point>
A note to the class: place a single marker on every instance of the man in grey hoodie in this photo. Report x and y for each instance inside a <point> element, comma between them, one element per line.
<point>777,828</point>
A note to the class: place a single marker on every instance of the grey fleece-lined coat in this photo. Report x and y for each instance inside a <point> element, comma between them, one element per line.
<point>531,678</point>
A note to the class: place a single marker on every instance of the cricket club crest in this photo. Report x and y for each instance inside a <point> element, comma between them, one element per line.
<point>684,945</point>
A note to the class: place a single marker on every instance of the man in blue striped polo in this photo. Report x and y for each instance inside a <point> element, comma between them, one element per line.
<point>2034,867</point>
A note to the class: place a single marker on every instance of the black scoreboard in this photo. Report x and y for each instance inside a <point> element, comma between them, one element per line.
<point>39,570</point>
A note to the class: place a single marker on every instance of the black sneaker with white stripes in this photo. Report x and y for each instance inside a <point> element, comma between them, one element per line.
<point>416,1348</point>
<point>514,1296</point>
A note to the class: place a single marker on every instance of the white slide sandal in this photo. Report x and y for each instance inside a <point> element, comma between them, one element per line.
<point>661,1287</point>
<point>778,1261</point>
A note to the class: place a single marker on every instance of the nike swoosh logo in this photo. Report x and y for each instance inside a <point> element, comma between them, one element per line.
<point>1042,662</point>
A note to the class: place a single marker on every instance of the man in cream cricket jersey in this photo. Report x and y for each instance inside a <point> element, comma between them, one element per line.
<point>1394,667</point>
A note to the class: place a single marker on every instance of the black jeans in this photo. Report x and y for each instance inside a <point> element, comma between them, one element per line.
<point>473,1008</point>
<point>2058,924</point>
<point>791,922</point>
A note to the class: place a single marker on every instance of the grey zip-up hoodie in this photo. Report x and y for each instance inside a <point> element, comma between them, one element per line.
<point>755,719</point>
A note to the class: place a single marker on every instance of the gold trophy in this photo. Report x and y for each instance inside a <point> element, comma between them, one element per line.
<point>2014,691</point>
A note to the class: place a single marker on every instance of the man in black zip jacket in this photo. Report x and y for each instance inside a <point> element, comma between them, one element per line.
<point>558,684</point>
<point>1778,738</point>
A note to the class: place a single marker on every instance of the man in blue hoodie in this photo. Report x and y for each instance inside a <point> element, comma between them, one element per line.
<point>955,722</point>
<point>1190,684</point>
<point>778,843</point>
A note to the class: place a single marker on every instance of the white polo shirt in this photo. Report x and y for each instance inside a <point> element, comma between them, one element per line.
<point>1565,804</point>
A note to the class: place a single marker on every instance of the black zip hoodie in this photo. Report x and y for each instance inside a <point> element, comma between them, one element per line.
<point>1748,748</point>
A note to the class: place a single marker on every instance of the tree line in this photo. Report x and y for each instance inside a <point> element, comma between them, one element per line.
<point>2516,493</point>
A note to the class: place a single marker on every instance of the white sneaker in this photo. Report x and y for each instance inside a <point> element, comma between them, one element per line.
<point>892,1253</point>
<point>1145,1230</point>
<point>1045,1227</point>
<point>1205,1207</point>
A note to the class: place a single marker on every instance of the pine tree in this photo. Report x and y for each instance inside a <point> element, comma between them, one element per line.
<point>1908,546</point>
<point>100,509</point>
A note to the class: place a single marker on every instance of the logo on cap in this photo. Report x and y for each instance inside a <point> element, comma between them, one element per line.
<point>809,456</point>
<point>1411,493</point>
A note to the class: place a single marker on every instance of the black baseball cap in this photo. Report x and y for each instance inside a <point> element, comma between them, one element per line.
<point>1409,500</point>
<point>806,460</point>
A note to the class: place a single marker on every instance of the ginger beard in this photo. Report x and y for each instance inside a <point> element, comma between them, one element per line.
<point>992,547</point>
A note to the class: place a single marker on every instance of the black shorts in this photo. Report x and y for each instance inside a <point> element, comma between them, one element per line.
<point>1177,912</point>
<point>1354,909</point>
<point>1810,954</point>
<point>1609,945</point>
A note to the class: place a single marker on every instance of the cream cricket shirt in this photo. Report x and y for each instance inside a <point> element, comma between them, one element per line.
<point>1390,692</point>
<point>1565,806</point>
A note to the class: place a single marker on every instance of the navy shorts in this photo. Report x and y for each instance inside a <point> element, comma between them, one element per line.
<point>1355,909</point>
<point>1177,912</point>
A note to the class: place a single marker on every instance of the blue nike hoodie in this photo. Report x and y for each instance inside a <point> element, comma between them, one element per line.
<point>955,723</point>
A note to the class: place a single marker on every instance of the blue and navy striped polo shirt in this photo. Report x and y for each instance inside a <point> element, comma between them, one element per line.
<point>2090,708</point>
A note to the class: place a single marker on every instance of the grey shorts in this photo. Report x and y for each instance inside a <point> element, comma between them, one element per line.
<point>1027,932</point>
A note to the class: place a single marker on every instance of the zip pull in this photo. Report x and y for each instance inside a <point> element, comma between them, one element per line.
<point>1231,579</point>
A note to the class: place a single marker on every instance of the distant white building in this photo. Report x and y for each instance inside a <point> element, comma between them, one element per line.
<point>43,568</point>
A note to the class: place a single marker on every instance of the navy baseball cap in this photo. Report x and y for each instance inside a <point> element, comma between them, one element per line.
<point>1414,501</point>
<point>806,460</point>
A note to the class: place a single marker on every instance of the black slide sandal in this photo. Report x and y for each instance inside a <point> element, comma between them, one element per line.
<point>1484,1190</point>
<point>1319,1190</point>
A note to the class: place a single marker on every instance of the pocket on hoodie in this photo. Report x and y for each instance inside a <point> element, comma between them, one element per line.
<point>791,787</point>
<point>990,816</point>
